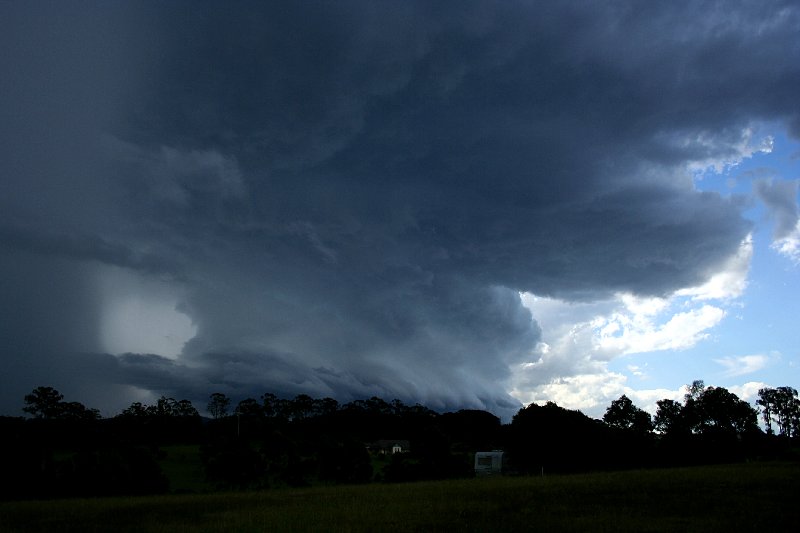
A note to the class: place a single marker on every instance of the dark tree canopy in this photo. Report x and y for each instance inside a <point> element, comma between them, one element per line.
<point>136,410</point>
<point>554,438</point>
<point>163,408</point>
<point>249,407</point>
<point>43,402</point>
<point>77,411</point>
<point>218,405</point>
<point>46,403</point>
<point>695,390</point>
<point>718,409</point>
<point>669,419</point>
<point>782,406</point>
<point>622,414</point>
<point>305,440</point>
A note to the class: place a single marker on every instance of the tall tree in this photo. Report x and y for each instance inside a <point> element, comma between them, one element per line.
<point>249,407</point>
<point>669,419</point>
<point>766,401</point>
<point>136,410</point>
<point>43,402</point>
<point>301,407</point>
<point>275,407</point>
<point>185,408</point>
<point>795,419</point>
<point>218,405</point>
<point>719,410</point>
<point>785,408</point>
<point>325,406</point>
<point>694,390</point>
<point>622,414</point>
<point>46,402</point>
<point>164,407</point>
<point>551,438</point>
<point>77,411</point>
<point>690,413</point>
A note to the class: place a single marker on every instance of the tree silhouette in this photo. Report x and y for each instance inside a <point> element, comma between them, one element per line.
<point>43,402</point>
<point>46,403</point>
<point>780,405</point>
<point>218,405</point>
<point>694,390</point>
<point>669,419</point>
<point>718,410</point>
<point>249,407</point>
<point>308,440</point>
<point>622,414</point>
<point>301,407</point>
<point>551,438</point>
<point>273,407</point>
<point>786,407</point>
<point>766,401</point>
<point>164,407</point>
<point>325,406</point>
<point>136,410</point>
<point>186,409</point>
<point>77,411</point>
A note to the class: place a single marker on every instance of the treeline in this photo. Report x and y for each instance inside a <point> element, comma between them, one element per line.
<point>66,449</point>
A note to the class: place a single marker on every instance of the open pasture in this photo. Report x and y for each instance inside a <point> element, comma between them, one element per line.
<point>746,497</point>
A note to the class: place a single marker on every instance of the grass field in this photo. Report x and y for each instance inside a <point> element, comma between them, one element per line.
<point>747,497</point>
<point>184,468</point>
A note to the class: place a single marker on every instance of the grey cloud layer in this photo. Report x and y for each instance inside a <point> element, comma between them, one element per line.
<point>780,197</point>
<point>352,194</point>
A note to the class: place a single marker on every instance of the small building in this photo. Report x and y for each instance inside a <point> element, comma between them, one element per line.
<point>390,447</point>
<point>489,463</point>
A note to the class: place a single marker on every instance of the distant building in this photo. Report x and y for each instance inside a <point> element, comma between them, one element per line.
<point>488,463</point>
<point>390,447</point>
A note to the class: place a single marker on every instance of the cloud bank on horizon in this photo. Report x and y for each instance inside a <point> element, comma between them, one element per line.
<point>369,198</point>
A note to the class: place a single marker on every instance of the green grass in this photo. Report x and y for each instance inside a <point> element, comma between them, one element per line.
<point>184,468</point>
<point>748,497</point>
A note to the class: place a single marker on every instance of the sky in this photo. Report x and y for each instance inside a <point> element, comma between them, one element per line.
<point>462,204</point>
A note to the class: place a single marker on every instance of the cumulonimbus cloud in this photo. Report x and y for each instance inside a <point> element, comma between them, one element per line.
<point>350,198</point>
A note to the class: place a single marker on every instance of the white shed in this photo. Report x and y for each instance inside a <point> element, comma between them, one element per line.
<point>488,463</point>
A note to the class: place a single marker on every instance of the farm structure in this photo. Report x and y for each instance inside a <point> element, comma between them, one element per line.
<point>389,447</point>
<point>489,463</point>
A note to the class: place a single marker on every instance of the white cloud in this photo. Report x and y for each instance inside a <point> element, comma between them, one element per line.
<point>627,333</point>
<point>580,339</point>
<point>748,391</point>
<point>637,371</point>
<point>590,393</point>
<point>730,282</point>
<point>789,245</point>
<point>646,398</point>
<point>738,150</point>
<point>593,393</point>
<point>745,364</point>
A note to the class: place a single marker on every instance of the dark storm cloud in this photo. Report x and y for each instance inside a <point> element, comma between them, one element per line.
<point>352,194</point>
<point>78,247</point>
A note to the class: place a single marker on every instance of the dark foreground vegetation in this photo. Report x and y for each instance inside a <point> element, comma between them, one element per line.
<point>743,497</point>
<point>66,450</point>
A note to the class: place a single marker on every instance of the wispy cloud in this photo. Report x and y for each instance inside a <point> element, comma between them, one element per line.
<point>743,364</point>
